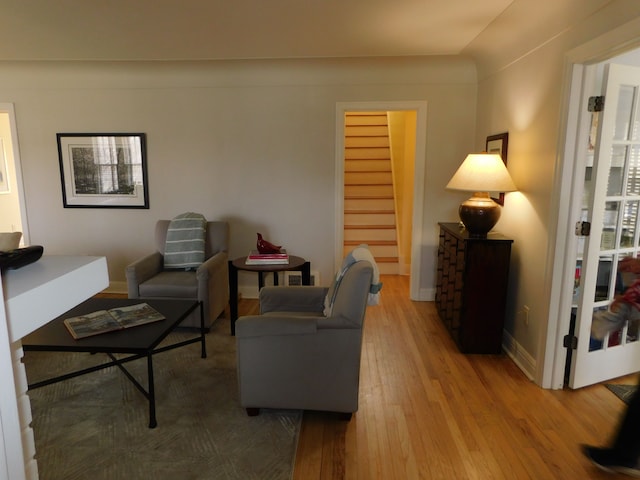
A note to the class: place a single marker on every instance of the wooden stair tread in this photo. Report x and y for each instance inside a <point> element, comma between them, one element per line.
<point>372,242</point>
<point>369,212</point>
<point>368,197</point>
<point>349,184</point>
<point>370,227</point>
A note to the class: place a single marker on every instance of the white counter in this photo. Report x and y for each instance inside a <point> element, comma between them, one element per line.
<point>34,295</point>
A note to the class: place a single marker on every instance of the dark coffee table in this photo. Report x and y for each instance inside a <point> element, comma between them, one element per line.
<point>140,342</point>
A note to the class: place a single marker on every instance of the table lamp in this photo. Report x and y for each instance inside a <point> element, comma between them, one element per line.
<point>481,173</point>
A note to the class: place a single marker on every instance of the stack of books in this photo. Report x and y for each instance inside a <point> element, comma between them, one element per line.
<point>257,258</point>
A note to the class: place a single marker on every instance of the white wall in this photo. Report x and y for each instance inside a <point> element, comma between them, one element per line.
<point>521,90</point>
<point>249,141</point>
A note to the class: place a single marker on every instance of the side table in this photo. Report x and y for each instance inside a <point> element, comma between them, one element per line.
<point>295,264</point>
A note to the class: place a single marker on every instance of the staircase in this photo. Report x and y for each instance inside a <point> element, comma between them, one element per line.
<point>369,207</point>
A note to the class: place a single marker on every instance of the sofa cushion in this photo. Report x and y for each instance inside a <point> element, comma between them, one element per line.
<point>170,283</point>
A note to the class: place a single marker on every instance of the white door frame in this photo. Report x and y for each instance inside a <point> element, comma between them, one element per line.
<point>9,109</point>
<point>419,179</point>
<point>550,371</point>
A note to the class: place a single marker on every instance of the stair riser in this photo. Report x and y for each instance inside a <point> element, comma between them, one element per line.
<point>367,166</point>
<point>369,204</point>
<point>377,250</point>
<point>370,118</point>
<point>368,191</point>
<point>358,153</point>
<point>367,142</point>
<point>365,131</point>
<point>369,219</point>
<point>368,178</point>
<point>366,235</point>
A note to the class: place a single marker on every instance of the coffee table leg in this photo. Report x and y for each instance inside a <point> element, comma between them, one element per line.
<point>233,297</point>
<point>152,394</point>
<point>202,332</point>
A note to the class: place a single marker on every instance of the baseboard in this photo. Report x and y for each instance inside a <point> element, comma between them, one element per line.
<point>246,291</point>
<point>116,287</point>
<point>424,294</point>
<point>519,355</point>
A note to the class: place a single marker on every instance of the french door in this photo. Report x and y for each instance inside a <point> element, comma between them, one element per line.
<point>611,204</point>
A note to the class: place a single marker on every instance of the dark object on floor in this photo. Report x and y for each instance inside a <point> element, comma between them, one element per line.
<point>20,257</point>
<point>607,460</point>
<point>623,392</point>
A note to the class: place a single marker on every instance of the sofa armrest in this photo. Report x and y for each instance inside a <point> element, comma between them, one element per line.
<point>212,264</point>
<point>142,270</point>
<point>213,283</point>
<point>274,325</point>
<point>292,299</point>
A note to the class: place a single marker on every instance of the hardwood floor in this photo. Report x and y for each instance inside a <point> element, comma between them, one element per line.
<point>428,412</point>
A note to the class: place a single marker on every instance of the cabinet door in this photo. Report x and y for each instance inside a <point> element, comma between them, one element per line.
<point>485,291</point>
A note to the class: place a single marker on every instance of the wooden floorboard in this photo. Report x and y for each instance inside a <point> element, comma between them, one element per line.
<point>429,412</point>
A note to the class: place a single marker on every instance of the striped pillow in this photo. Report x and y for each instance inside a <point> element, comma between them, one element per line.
<point>184,247</point>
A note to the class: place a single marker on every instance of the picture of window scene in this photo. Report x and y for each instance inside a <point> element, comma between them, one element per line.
<point>107,167</point>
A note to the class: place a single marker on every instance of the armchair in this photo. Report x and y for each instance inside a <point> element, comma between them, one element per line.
<point>303,350</point>
<point>146,277</point>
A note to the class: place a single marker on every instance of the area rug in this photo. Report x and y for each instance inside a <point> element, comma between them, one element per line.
<point>96,426</point>
<point>623,392</point>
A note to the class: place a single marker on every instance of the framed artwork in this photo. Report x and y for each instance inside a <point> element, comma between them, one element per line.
<point>4,174</point>
<point>103,170</point>
<point>498,144</point>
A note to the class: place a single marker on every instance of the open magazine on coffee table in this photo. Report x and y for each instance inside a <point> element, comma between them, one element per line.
<point>103,321</point>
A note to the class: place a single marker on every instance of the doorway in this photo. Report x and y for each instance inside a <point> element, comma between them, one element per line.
<point>586,78</point>
<point>12,203</point>
<point>412,237</point>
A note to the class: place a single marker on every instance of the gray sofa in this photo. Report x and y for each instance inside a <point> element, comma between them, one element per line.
<point>293,356</point>
<point>146,277</point>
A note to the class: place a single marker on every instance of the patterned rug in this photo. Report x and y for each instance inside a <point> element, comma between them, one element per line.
<point>623,392</point>
<point>96,426</point>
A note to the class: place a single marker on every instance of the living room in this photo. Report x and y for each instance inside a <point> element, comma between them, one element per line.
<point>217,129</point>
<point>253,142</point>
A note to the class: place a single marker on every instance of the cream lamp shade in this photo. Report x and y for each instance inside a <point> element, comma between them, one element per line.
<point>481,173</point>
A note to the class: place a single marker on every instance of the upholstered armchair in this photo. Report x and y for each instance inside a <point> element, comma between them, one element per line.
<point>147,278</point>
<point>303,350</point>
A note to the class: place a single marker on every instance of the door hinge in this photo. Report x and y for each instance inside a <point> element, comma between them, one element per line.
<point>596,104</point>
<point>570,341</point>
<point>583,229</point>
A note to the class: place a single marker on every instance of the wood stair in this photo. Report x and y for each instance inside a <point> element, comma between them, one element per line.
<point>369,207</point>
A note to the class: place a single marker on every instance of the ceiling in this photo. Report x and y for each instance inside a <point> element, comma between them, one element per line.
<point>239,29</point>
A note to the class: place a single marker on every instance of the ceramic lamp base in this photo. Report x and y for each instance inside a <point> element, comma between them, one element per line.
<point>479,214</point>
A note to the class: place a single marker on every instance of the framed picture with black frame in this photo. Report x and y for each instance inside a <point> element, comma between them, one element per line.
<point>498,144</point>
<point>103,170</point>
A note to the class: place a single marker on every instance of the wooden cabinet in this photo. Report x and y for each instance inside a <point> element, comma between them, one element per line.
<point>471,290</point>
